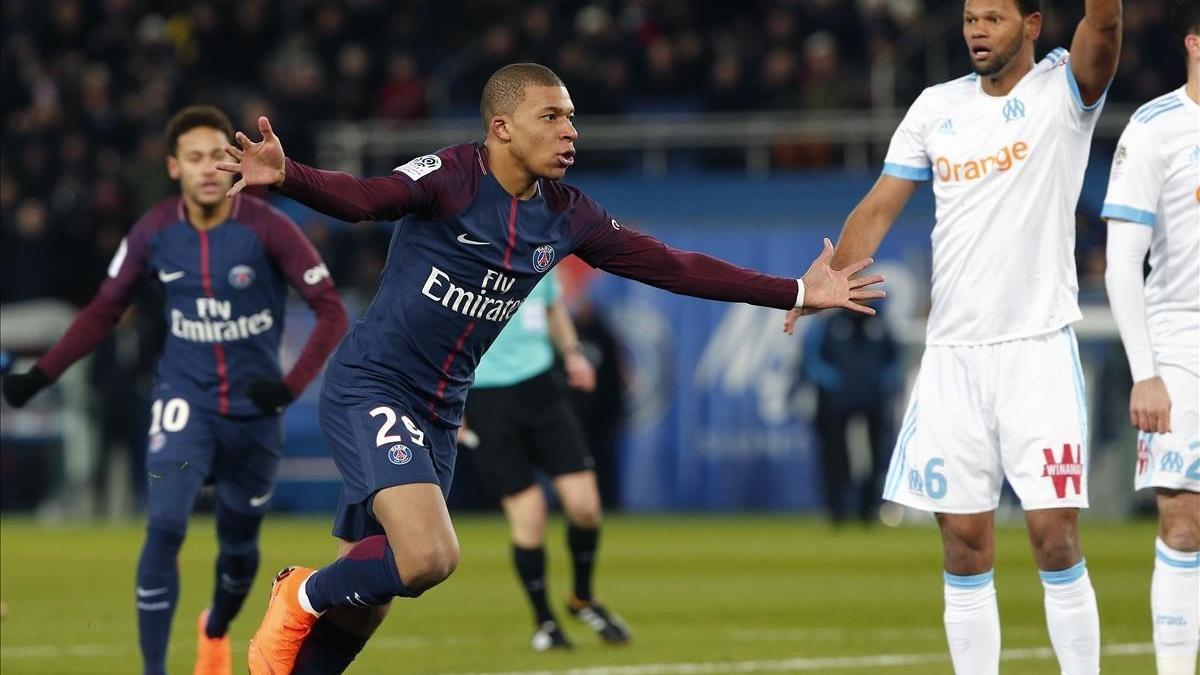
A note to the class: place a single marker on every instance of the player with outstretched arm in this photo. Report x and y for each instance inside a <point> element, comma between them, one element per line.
<point>480,225</point>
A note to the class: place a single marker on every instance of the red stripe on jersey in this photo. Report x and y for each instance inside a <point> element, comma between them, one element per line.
<point>218,350</point>
<point>512,234</point>
<point>222,379</point>
<point>441,388</point>
<point>205,275</point>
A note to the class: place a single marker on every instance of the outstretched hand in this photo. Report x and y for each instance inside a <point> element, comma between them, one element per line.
<point>259,163</point>
<point>825,287</point>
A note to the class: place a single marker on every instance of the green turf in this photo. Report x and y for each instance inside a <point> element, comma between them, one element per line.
<point>695,590</point>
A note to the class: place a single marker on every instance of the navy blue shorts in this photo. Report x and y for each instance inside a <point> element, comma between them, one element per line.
<point>379,440</point>
<point>188,445</point>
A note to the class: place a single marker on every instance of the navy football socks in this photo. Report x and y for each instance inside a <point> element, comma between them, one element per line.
<point>157,590</point>
<point>366,577</point>
<point>531,568</point>
<point>328,649</point>
<point>583,543</point>
<point>237,562</point>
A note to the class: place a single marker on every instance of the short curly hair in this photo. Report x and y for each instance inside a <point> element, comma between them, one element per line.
<point>196,116</point>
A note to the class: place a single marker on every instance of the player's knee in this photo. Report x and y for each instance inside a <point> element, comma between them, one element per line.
<point>237,533</point>
<point>428,564</point>
<point>1056,550</point>
<point>966,550</point>
<point>165,534</point>
<point>1181,533</point>
<point>966,541</point>
<point>526,511</point>
<point>586,515</point>
<point>528,532</point>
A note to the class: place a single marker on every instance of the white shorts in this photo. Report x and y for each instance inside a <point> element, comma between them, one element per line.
<point>1173,460</point>
<point>982,413</point>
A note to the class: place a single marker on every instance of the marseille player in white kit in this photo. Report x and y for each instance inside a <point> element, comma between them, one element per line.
<point>1000,392</point>
<point>1153,204</point>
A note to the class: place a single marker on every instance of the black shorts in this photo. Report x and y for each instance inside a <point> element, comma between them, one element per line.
<point>526,425</point>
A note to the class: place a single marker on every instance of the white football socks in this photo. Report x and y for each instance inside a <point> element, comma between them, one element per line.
<point>1175,609</point>
<point>972,621</point>
<point>1073,619</point>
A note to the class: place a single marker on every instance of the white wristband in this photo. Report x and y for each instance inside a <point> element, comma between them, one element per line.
<point>799,293</point>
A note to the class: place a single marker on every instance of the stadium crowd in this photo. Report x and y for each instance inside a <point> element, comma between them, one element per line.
<point>87,86</point>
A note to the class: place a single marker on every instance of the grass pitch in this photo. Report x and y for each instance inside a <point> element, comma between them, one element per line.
<point>763,594</point>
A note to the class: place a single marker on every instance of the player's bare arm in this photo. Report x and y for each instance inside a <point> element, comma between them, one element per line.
<point>870,221</point>
<point>580,373</point>
<point>1096,48</point>
<point>334,193</point>
<point>865,228</point>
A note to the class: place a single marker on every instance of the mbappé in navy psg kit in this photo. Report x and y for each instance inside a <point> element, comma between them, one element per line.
<point>461,261</point>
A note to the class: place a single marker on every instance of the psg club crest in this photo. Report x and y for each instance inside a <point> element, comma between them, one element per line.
<point>158,442</point>
<point>241,276</point>
<point>399,454</point>
<point>543,257</point>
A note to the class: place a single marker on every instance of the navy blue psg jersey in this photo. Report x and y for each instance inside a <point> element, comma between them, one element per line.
<point>463,258</point>
<point>225,291</point>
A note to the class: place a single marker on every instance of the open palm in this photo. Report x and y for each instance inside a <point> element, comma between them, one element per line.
<point>825,287</point>
<point>259,163</point>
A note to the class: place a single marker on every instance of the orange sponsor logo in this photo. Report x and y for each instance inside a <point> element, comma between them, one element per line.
<point>974,169</point>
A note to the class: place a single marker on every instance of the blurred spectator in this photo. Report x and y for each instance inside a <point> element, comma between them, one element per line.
<point>727,89</point>
<point>854,363</point>
<point>825,85</point>
<point>402,94</point>
<point>28,252</point>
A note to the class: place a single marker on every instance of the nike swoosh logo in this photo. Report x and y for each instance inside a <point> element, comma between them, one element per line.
<point>462,239</point>
<point>256,502</point>
<point>149,592</point>
<point>168,277</point>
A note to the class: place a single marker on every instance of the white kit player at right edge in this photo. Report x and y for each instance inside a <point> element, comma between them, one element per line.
<point>1000,392</point>
<point>1153,203</point>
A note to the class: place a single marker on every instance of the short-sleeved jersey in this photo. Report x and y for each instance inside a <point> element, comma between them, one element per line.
<point>1006,174</point>
<point>460,265</point>
<point>225,290</point>
<point>1155,181</point>
<point>522,350</point>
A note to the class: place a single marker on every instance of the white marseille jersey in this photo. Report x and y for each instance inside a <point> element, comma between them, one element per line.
<point>1155,181</point>
<point>1006,177</point>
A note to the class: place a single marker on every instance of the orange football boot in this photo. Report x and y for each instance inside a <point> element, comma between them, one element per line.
<point>274,647</point>
<point>213,655</point>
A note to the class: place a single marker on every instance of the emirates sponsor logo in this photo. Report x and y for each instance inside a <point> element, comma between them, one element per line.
<point>471,301</point>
